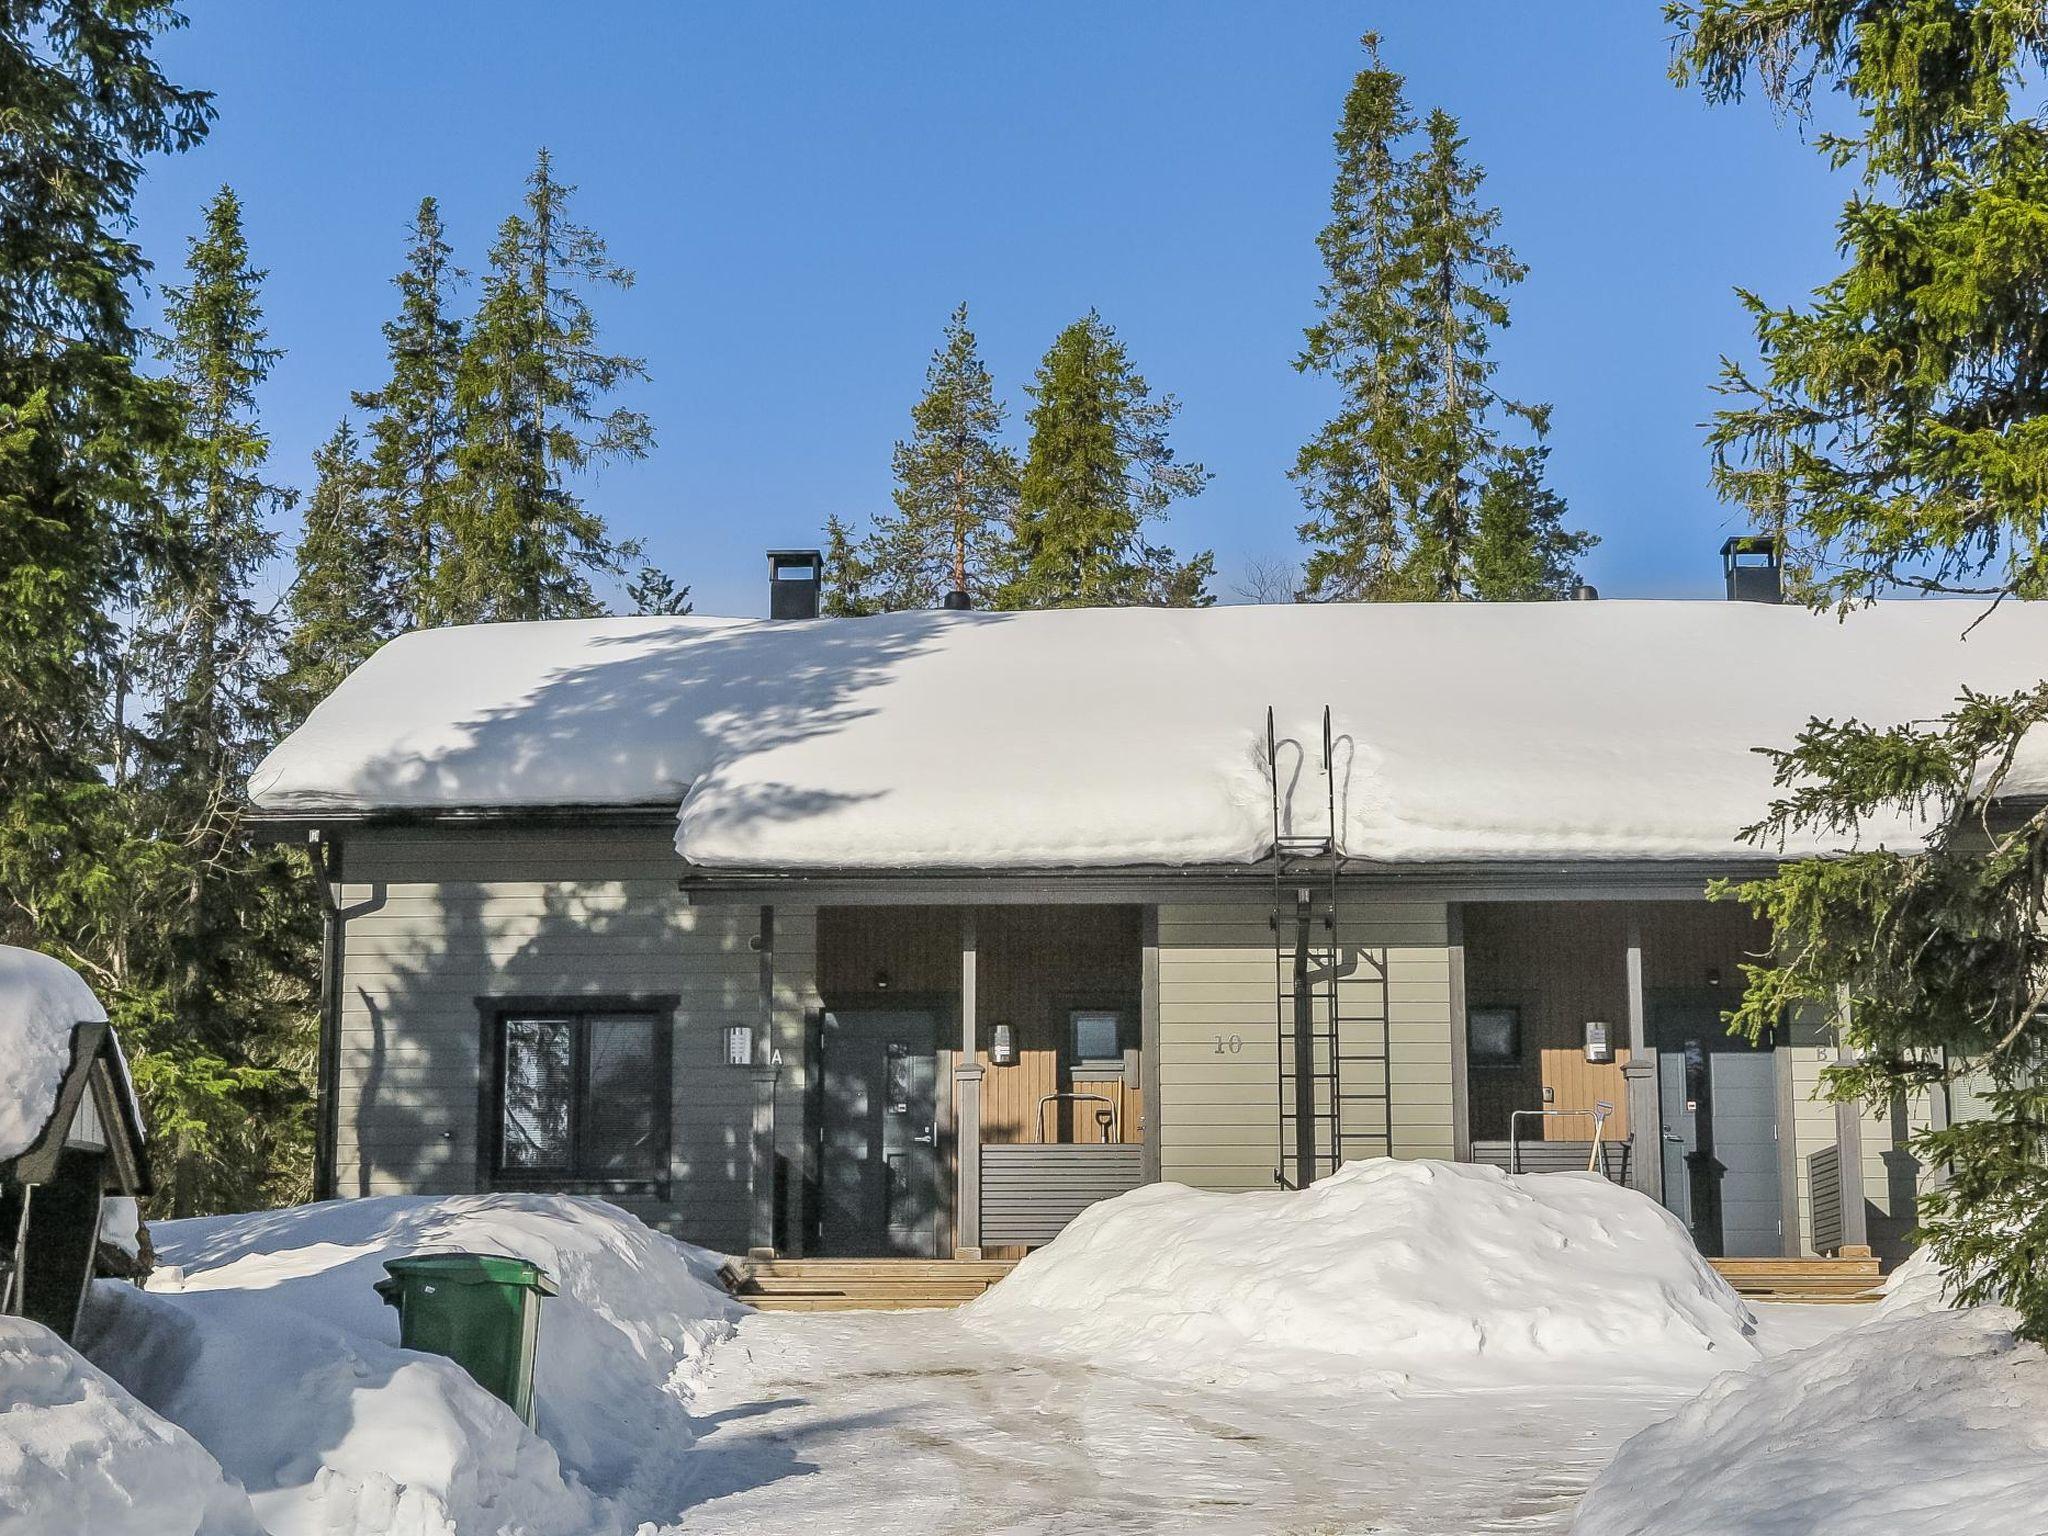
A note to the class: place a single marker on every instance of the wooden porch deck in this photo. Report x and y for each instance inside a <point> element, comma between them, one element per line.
<point>904,1285</point>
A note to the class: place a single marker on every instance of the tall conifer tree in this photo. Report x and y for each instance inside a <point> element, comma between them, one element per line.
<point>848,575</point>
<point>532,397</point>
<point>1897,430</point>
<point>343,602</point>
<point>85,104</point>
<point>414,429</point>
<point>1396,481</point>
<point>1098,471</point>
<point>224,940</point>
<point>956,487</point>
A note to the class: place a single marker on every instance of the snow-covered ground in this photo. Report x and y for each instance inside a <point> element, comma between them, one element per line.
<point>79,1455</point>
<point>920,1421</point>
<point>263,1336</point>
<point>1320,1362</point>
<point>1922,1421</point>
<point>1400,1273</point>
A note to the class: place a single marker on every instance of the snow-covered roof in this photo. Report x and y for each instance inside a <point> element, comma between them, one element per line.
<point>1108,737</point>
<point>42,1003</point>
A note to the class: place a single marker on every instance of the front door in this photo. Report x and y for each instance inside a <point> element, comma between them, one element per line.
<point>879,1169</point>
<point>1719,1111</point>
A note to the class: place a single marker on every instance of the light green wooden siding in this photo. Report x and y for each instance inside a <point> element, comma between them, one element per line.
<point>438,922</point>
<point>1811,1048</point>
<point>1218,1114</point>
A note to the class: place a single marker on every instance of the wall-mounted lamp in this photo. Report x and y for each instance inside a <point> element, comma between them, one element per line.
<point>739,1045</point>
<point>1002,1046</point>
<point>882,979</point>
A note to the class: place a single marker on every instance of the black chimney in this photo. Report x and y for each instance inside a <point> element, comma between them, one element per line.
<point>1750,562</point>
<point>795,578</point>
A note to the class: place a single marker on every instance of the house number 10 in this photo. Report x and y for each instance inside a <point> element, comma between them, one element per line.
<point>1229,1045</point>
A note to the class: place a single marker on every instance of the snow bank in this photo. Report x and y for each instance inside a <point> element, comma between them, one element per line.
<point>78,1454</point>
<point>1919,1424</point>
<point>1431,1272</point>
<point>262,1335</point>
<point>42,1001</point>
<point>1136,736</point>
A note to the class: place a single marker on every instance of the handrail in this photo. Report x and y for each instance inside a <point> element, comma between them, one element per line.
<point>1597,1116</point>
<point>1115,1113</point>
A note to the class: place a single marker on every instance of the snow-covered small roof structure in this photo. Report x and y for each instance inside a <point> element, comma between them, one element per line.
<point>1136,737</point>
<point>54,1037</point>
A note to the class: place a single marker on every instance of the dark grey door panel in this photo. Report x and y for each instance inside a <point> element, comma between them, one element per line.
<point>879,1170</point>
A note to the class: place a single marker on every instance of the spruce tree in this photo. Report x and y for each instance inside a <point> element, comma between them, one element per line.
<point>848,574</point>
<point>1354,475</point>
<point>1396,482</point>
<point>343,603</point>
<point>531,394</point>
<point>221,935</point>
<point>1895,430</point>
<point>1097,472</point>
<point>956,487</point>
<point>85,105</point>
<point>414,428</point>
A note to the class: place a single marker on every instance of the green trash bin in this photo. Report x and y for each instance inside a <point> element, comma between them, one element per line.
<point>481,1310</point>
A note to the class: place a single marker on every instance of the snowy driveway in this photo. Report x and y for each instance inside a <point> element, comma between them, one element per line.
<point>873,1423</point>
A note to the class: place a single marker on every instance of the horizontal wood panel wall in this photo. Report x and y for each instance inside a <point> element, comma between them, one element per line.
<point>438,920</point>
<point>1030,1193</point>
<point>1219,1036</point>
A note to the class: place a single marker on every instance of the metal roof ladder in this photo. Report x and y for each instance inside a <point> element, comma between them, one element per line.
<point>1334,1078</point>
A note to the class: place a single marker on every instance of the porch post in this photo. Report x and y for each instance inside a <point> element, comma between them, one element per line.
<point>967,1082</point>
<point>1646,1125</point>
<point>763,1072</point>
<point>1849,1152</point>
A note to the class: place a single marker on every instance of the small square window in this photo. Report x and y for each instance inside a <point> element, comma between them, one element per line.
<point>1098,1036</point>
<point>1493,1037</point>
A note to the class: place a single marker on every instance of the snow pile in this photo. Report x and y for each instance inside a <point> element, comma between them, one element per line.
<point>78,1454</point>
<point>1432,1272</point>
<point>1137,736</point>
<point>264,1337</point>
<point>42,1001</point>
<point>1920,1423</point>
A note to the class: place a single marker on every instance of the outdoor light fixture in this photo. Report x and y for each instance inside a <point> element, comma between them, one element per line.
<point>739,1045</point>
<point>1002,1048</point>
<point>882,980</point>
<point>1598,1046</point>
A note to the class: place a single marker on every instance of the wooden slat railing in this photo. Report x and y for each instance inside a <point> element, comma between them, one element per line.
<point>1031,1190</point>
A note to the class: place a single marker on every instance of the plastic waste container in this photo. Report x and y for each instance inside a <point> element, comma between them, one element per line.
<point>481,1310</point>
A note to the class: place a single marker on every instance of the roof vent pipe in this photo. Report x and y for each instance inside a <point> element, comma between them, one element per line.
<point>1752,564</point>
<point>957,601</point>
<point>795,578</point>
<point>1585,592</point>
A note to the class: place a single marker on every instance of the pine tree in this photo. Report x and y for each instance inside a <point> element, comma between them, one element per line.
<point>956,487</point>
<point>414,428</point>
<point>221,933</point>
<point>1097,472</point>
<point>1895,430</point>
<point>1396,482</point>
<point>651,592</point>
<point>343,603</point>
<point>531,397</point>
<point>85,105</point>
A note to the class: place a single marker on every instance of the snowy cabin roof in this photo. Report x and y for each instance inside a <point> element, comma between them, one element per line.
<point>42,1004</point>
<point>1100,737</point>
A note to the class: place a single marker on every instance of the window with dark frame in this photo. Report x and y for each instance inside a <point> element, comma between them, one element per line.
<point>1096,1036</point>
<point>583,1097</point>
<point>1493,1036</point>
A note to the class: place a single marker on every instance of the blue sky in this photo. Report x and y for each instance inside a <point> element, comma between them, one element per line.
<point>805,191</point>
